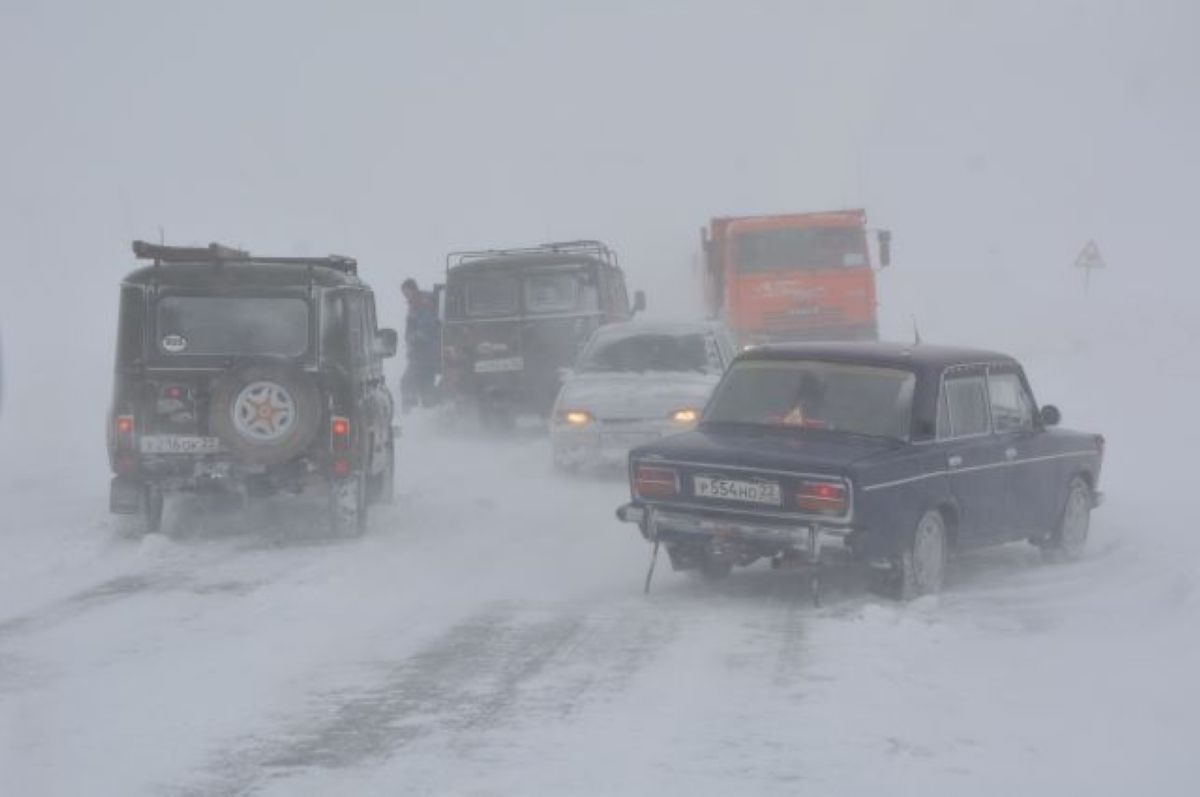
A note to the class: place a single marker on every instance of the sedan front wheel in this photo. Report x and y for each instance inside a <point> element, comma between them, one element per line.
<point>1070,538</point>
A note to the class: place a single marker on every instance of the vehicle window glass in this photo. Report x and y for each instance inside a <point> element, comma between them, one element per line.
<point>335,335</point>
<point>372,326</point>
<point>356,325</point>
<point>649,352</point>
<point>716,360</point>
<point>620,305</point>
<point>491,295</point>
<point>802,248</point>
<point>555,292</point>
<point>943,416</point>
<point>811,394</point>
<point>219,325</point>
<point>1012,408</point>
<point>966,399</point>
<point>131,327</point>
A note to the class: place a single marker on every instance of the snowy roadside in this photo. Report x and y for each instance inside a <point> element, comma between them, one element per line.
<point>489,637</point>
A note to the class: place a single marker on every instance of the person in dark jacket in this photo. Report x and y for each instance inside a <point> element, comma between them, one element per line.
<point>422,338</point>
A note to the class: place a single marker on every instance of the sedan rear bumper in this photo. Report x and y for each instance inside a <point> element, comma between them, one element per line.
<point>814,541</point>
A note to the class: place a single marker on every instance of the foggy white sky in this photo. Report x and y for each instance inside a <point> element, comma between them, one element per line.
<point>993,138</point>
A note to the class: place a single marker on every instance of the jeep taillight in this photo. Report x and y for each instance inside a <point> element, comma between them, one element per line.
<point>339,433</point>
<point>655,482</point>
<point>822,498</point>
<point>123,428</point>
<point>339,443</point>
<point>125,456</point>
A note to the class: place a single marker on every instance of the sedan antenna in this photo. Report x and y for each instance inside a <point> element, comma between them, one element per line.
<point>916,332</point>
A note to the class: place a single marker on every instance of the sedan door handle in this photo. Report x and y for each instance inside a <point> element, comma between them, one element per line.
<point>954,461</point>
<point>1010,453</point>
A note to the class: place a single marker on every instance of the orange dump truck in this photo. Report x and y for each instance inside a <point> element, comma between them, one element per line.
<point>800,276</point>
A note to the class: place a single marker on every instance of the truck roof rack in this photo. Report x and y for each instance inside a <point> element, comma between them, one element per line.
<point>585,248</point>
<point>218,253</point>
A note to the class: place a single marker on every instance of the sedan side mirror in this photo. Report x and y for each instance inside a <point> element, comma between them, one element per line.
<point>386,343</point>
<point>1050,416</point>
<point>639,301</point>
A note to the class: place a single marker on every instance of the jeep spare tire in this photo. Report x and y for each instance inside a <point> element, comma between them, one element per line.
<point>265,415</point>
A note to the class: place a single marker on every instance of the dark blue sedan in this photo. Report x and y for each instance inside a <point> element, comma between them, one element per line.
<point>887,455</point>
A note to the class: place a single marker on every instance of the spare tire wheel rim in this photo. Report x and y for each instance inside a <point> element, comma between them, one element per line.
<point>263,412</point>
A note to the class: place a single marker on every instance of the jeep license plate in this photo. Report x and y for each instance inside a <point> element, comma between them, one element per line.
<point>179,444</point>
<point>756,492</point>
<point>497,366</point>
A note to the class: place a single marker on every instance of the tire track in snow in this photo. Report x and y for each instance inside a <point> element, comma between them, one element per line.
<point>72,606</point>
<point>504,667</point>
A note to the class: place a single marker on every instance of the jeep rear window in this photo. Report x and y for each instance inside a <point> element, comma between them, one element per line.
<point>551,292</point>
<point>222,325</point>
<point>810,394</point>
<point>492,295</point>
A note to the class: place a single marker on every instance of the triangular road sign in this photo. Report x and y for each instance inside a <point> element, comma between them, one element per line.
<point>1090,257</point>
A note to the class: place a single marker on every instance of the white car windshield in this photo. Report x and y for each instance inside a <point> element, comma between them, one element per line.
<point>650,351</point>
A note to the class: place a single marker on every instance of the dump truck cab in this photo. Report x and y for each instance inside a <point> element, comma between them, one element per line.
<point>794,277</point>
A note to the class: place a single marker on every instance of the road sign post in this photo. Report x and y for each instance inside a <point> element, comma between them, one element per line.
<point>1089,260</point>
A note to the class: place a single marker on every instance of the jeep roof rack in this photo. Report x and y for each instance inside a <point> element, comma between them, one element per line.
<point>587,248</point>
<point>218,254</point>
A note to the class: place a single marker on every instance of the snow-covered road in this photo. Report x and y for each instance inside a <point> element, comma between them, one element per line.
<point>489,636</point>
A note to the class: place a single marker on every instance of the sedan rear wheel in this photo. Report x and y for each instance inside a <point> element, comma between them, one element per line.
<point>920,569</point>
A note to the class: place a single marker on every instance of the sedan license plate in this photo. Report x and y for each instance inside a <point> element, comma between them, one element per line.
<point>498,366</point>
<point>179,444</point>
<point>752,492</point>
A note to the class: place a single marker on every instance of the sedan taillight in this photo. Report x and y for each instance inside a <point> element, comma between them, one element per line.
<point>655,482</point>
<point>822,498</point>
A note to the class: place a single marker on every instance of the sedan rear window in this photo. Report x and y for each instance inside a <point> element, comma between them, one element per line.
<point>222,325</point>
<point>809,394</point>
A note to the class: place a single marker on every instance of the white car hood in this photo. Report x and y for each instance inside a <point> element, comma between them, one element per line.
<point>651,395</point>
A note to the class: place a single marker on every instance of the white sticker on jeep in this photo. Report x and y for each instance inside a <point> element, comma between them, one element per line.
<point>174,344</point>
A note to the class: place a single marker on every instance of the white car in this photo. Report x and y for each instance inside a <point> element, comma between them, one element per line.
<point>634,383</point>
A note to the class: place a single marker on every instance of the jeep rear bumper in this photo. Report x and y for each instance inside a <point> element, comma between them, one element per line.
<point>125,496</point>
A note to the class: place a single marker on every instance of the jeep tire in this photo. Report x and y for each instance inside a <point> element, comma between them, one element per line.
<point>148,517</point>
<point>382,486</point>
<point>266,414</point>
<point>348,506</point>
